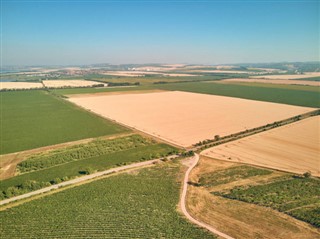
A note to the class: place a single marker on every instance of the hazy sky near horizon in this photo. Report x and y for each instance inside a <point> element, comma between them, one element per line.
<point>198,32</point>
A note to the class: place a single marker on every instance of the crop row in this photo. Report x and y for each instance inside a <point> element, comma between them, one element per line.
<point>82,151</point>
<point>37,179</point>
<point>32,119</point>
<point>296,196</point>
<point>137,205</point>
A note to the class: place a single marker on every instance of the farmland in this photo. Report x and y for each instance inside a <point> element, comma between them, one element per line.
<point>276,86</point>
<point>19,85</point>
<point>168,115</point>
<point>260,93</point>
<point>230,174</point>
<point>95,148</point>
<point>136,205</point>
<point>298,197</point>
<point>100,90</point>
<point>275,81</point>
<point>214,181</point>
<point>286,94</point>
<point>31,119</point>
<point>44,170</point>
<point>70,83</point>
<point>289,77</point>
<point>293,148</point>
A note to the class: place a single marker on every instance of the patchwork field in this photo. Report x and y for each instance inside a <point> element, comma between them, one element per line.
<point>70,83</point>
<point>19,85</point>
<point>32,119</point>
<point>271,201</point>
<point>275,81</point>
<point>144,73</point>
<point>186,118</point>
<point>293,148</point>
<point>285,95</point>
<point>140,204</point>
<point>45,168</point>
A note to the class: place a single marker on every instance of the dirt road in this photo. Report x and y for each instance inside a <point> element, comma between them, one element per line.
<point>183,203</point>
<point>80,179</point>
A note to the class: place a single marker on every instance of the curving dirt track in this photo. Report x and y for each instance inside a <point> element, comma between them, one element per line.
<point>183,203</point>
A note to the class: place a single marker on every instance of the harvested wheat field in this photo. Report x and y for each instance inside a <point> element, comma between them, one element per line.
<point>19,85</point>
<point>185,118</point>
<point>275,81</point>
<point>294,148</point>
<point>70,83</point>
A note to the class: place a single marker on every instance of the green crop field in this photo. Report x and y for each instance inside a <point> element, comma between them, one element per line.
<point>275,94</point>
<point>92,149</point>
<point>137,205</point>
<point>230,175</point>
<point>31,119</point>
<point>277,86</point>
<point>75,162</point>
<point>316,78</point>
<point>298,197</point>
<point>99,90</point>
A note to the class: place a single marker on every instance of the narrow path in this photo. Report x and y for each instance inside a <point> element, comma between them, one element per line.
<point>183,203</point>
<point>80,179</point>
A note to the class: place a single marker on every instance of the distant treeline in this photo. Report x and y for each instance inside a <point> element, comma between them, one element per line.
<point>123,83</point>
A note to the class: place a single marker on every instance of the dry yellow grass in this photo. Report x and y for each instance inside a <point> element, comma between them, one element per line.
<point>293,148</point>
<point>185,118</point>
<point>239,219</point>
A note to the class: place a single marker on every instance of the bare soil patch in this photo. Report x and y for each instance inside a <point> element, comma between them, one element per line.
<point>293,148</point>
<point>185,118</point>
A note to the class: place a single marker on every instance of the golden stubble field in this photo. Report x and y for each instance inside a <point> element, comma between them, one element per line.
<point>294,148</point>
<point>185,118</point>
<point>20,85</point>
<point>70,83</point>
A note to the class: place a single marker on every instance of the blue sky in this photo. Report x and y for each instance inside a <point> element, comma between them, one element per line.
<point>199,32</point>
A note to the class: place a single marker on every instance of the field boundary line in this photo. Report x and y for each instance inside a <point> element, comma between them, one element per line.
<point>83,179</point>
<point>249,132</point>
<point>69,143</point>
<point>183,203</point>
